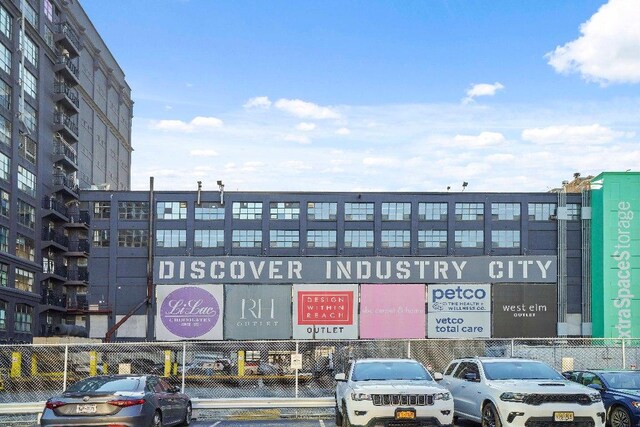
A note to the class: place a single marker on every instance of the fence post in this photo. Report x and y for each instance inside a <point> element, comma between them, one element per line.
<point>66,362</point>
<point>624,356</point>
<point>513,351</point>
<point>184,359</point>
<point>297,352</point>
<point>408,349</point>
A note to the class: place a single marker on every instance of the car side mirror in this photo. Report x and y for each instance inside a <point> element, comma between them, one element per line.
<point>595,386</point>
<point>437,376</point>
<point>471,376</point>
<point>341,377</point>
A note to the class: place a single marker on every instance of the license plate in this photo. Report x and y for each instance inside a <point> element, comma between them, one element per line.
<point>563,416</point>
<point>405,414</point>
<point>85,409</point>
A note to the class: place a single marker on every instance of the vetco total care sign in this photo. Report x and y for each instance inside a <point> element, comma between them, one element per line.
<point>459,311</point>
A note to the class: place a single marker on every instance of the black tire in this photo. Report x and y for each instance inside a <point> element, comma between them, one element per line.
<point>490,417</point>
<point>157,420</point>
<point>187,415</point>
<point>346,422</point>
<point>619,417</point>
<point>338,416</point>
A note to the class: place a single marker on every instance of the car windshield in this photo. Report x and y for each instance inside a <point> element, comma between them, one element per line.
<point>520,370</point>
<point>396,370</point>
<point>105,385</point>
<point>622,380</point>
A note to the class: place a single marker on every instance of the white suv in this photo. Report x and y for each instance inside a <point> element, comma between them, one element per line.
<point>397,392</point>
<point>519,392</point>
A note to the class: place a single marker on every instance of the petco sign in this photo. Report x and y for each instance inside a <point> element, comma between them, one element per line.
<point>459,311</point>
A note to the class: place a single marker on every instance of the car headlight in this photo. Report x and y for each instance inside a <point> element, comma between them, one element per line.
<point>442,396</point>
<point>595,397</point>
<point>360,396</point>
<point>512,397</point>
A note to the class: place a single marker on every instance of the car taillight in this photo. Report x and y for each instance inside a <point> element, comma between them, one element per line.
<point>53,404</point>
<point>126,402</point>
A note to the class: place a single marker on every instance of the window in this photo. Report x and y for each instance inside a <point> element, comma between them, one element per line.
<point>505,238</point>
<point>133,238</point>
<point>5,59</point>
<point>4,239</point>
<point>26,181</point>
<point>101,238</point>
<point>30,14</point>
<point>432,211</point>
<point>321,238</point>
<point>284,238</point>
<point>24,280</point>
<point>5,22</point>
<point>247,210</point>
<point>29,117</point>
<point>284,210</point>
<point>432,238</point>
<point>4,275</point>
<point>469,211</point>
<point>30,50</point>
<point>209,239</point>
<point>247,238</point>
<point>26,215</point>
<point>573,211</point>
<point>322,211</point>
<point>4,204</point>
<point>5,167</point>
<point>102,210</point>
<point>358,211</point>
<point>48,10</point>
<point>29,83</point>
<point>49,38</point>
<point>24,314</point>
<point>358,238</point>
<point>396,238</point>
<point>469,238</point>
<point>28,149</point>
<point>209,211</point>
<point>171,210</point>
<point>171,238</point>
<point>5,131</point>
<point>133,210</point>
<point>5,95</point>
<point>396,211</point>
<point>505,211</point>
<point>541,211</point>
<point>25,247</point>
<point>3,315</point>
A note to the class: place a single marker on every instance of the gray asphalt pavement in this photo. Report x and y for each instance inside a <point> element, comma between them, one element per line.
<point>284,423</point>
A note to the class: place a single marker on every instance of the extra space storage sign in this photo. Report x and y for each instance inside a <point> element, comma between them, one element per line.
<point>459,311</point>
<point>189,312</point>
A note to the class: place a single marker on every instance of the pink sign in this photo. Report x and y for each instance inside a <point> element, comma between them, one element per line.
<point>392,311</point>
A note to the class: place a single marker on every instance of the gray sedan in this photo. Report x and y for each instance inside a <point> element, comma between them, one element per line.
<point>122,400</point>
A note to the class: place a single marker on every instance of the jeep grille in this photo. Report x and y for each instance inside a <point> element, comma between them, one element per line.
<point>539,399</point>
<point>402,399</point>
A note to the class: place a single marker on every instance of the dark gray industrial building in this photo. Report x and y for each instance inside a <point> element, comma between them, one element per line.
<point>65,126</point>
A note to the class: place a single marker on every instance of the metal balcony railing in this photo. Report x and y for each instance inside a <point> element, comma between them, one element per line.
<point>54,299</point>
<point>68,91</point>
<point>65,181</point>
<point>54,205</point>
<point>65,29</point>
<point>81,245</point>
<point>63,149</point>
<point>54,236</point>
<point>69,65</point>
<point>78,274</point>
<point>55,268</point>
<point>66,121</point>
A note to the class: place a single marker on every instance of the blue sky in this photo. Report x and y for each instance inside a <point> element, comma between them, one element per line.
<point>400,95</point>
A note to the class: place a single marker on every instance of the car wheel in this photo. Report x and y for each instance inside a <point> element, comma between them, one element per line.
<point>490,417</point>
<point>619,417</point>
<point>345,416</point>
<point>187,415</point>
<point>338,416</point>
<point>157,420</point>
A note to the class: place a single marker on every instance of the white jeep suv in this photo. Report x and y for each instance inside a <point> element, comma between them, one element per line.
<point>519,392</point>
<point>391,392</point>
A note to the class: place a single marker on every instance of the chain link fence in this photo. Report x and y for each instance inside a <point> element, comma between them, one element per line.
<point>260,369</point>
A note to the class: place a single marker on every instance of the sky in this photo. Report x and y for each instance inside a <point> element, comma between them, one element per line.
<point>377,95</point>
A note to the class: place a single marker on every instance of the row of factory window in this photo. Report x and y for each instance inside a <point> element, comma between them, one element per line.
<point>22,318</point>
<point>507,239</point>
<point>328,211</point>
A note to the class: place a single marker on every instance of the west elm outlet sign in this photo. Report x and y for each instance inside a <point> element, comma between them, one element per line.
<point>238,269</point>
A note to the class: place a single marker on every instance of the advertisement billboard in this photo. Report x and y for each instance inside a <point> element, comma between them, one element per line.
<point>189,312</point>
<point>525,311</point>
<point>257,312</point>
<point>615,255</point>
<point>459,311</point>
<point>325,311</point>
<point>392,311</point>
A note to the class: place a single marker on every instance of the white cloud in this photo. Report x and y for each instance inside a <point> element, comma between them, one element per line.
<point>343,131</point>
<point>482,89</point>
<point>197,124</point>
<point>300,139</point>
<point>305,110</point>
<point>484,139</point>
<point>306,127</point>
<point>203,153</point>
<point>565,134</point>
<point>258,102</point>
<point>608,51</point>
<point>381,161</point>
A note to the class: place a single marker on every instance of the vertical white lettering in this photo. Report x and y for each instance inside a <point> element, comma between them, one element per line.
<point>343,270</point>
<point>544,268</point>
<point>256,269</point>
<point>295,269</point>
<point>440,268</point>
<point>379,269</point>
<point>327,271</point>
<point>495,269</point>
<point>166,270</point>
<point>197,270</point>
<point>216,271</point>
<point>274,270</point>
<point>525,268</point>
<point>404,271</point>
<point>421,266</point>
<point>181,274</point>
<point>459,268</point>
<point>236,270</point>
<point>363,270</point>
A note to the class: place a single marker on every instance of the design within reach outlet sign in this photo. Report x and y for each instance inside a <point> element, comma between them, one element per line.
<point>299,270</point>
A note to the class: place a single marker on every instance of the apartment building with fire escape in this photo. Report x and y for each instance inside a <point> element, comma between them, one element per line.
<point>65,125</point>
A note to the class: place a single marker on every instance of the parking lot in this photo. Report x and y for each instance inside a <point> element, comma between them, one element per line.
<point>285,423</point>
